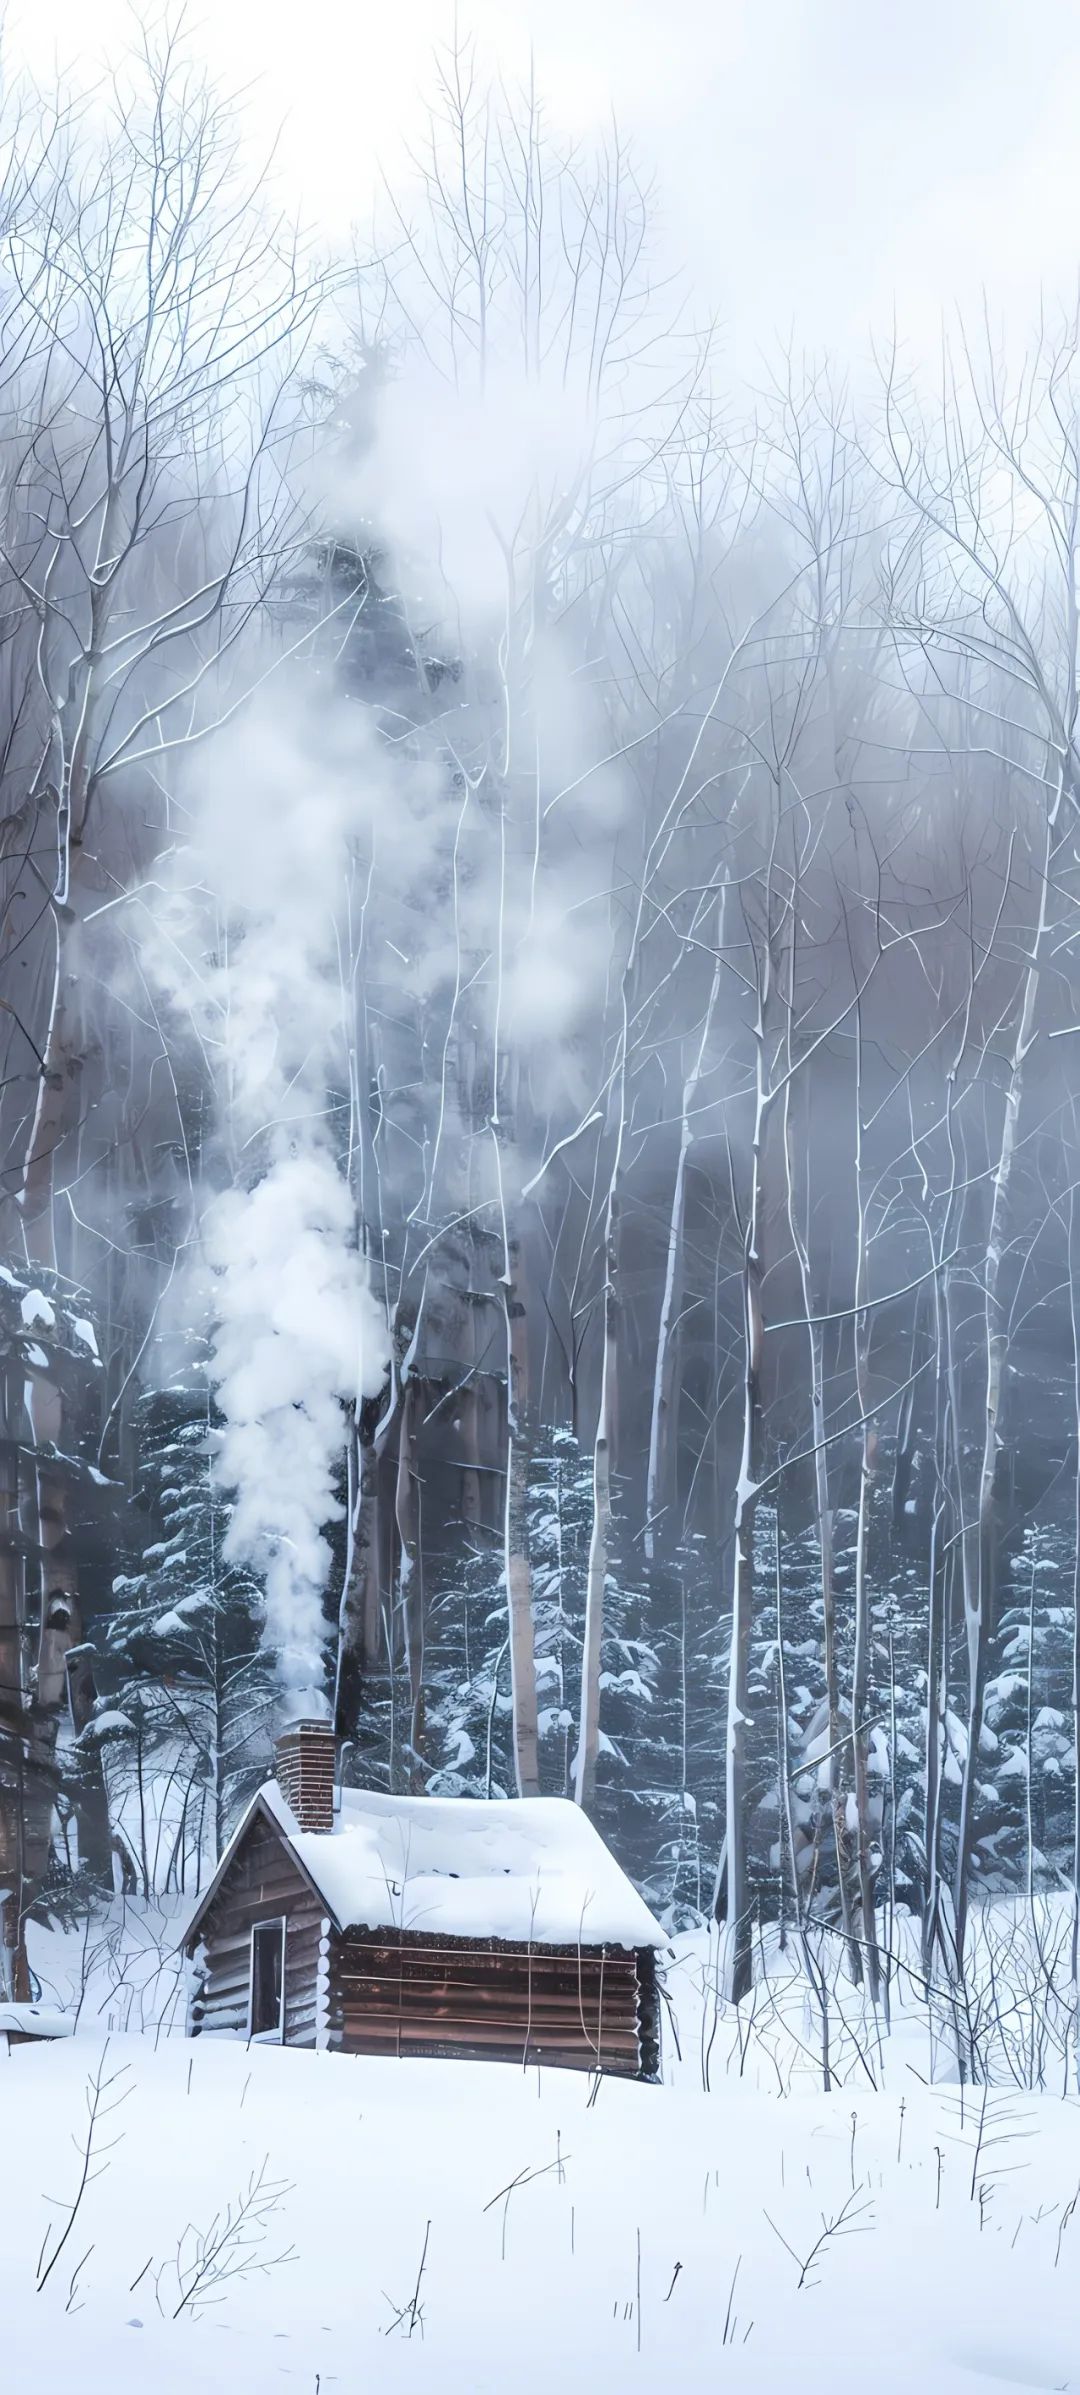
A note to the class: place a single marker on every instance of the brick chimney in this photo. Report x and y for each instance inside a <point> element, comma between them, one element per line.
<point>304,1761</point>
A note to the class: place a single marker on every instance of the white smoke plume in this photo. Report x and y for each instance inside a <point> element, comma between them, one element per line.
<point>296,1332</point>
<point>466,483</point>
<point>252,949</point>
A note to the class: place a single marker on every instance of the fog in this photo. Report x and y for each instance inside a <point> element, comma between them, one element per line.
<point>820,165</point>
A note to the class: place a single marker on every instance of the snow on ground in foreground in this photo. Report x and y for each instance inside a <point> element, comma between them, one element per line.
<point>588,2241</point>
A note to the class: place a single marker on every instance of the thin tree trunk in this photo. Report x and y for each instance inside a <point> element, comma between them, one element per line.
<point>588,1748</point>
<point>787,1810</point>
<point>359,1639</point>
<point>91,1794</point>
<point>799,1230</point>
<point>661,1425</point>
<point>599,1540</point>
<point>736,1889</point>
<point>409,1572</point>
<point>1074,1325</point>
<point>59,1624</point>
<point>936,1727</point>
<point>516,1565</point>
<point>980,1593</point>
<point>860,1668</point>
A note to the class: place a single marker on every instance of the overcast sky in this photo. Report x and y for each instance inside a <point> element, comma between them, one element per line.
<point>820,160</point>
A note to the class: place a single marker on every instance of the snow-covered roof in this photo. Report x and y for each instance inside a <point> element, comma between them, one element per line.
<point>34,2020</point>
<point>527,1869</point>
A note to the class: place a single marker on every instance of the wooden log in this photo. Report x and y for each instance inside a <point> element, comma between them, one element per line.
<point>381,1995</point>
<point>509,1964</point>
<point>617,2062</point>
<point>499,1949</point>
<point>481,2028</point>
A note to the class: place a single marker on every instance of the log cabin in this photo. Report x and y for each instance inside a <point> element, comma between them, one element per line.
<point>499,1930</point>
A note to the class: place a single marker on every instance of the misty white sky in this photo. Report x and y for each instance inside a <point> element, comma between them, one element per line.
<point>819,159</point>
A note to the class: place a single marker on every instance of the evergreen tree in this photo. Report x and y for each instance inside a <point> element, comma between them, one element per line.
<point>188,1711</point>
<point>1027,1755</point>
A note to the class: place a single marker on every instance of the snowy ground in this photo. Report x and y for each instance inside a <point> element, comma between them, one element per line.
<point>735,2237</point>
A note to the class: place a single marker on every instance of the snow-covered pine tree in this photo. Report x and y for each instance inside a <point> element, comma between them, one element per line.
<point>467,1661</point>
<point>1028,1760</point>
<point>186,1717</point>
<point>560,1516</point>
<point>795,1854</point>
<point>899,1711</point>
<point>470,1714</point>
<point>679,1748</point>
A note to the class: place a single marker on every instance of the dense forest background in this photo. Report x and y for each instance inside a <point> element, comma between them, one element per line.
<point>538,1037</point>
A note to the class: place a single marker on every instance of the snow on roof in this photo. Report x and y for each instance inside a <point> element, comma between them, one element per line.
<point>522,1868</point>
<point>34,2020</point>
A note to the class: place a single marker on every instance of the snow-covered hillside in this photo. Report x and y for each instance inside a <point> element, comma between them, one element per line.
<point>466,2228</point>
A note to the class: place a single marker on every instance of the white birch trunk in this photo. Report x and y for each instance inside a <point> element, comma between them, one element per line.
<point>979,1592</point>
<point>660,1420</point>
<point>736,1892</point>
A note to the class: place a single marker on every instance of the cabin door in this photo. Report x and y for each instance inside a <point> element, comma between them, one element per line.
<point>266,2011</point>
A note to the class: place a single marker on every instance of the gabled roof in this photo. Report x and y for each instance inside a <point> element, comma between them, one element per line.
<point>525,1869</point>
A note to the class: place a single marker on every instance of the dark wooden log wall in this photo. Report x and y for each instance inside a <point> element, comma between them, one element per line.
<point>584,2008</point>
<point>263,1882</point>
